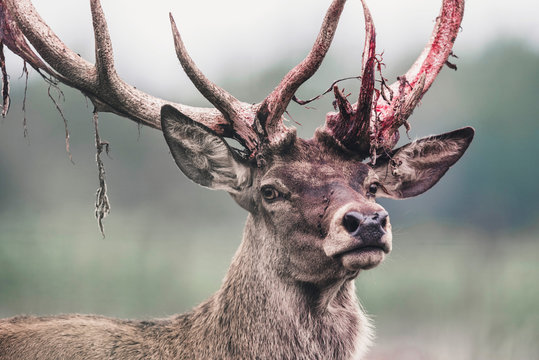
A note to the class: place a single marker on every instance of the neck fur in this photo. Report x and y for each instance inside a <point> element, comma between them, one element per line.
<point>262,314</point>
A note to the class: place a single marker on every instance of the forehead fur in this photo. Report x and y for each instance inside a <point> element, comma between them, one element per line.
<point>307,161</point>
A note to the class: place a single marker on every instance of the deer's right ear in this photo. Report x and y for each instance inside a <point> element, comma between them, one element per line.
<point>202,155</point>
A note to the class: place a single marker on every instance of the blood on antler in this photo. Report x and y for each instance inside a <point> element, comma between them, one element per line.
<point>370,126</point>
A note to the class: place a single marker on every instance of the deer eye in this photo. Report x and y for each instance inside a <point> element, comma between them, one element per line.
<point>269,193</point>
<point>373,188</point>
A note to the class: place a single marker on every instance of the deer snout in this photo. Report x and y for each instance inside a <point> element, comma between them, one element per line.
<point>369,228</point>
<point>359,239</point>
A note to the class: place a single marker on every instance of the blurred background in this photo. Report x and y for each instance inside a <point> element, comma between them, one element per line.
<point>461,282</point>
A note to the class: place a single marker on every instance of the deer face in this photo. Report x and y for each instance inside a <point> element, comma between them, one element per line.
<point>319,206</point>
<point>313,205</point>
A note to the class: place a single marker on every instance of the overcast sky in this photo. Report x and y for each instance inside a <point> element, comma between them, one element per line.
<point>235,36</point>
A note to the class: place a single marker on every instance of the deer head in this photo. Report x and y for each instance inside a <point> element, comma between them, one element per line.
<point>313,201</point>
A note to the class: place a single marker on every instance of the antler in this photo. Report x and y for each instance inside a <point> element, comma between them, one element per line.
<point>369,130</point>
<point>273,107</point>
<point>254,126</point>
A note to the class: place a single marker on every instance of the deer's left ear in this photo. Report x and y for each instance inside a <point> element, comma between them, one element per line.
<point>202,155</point>
<point>416,167</point>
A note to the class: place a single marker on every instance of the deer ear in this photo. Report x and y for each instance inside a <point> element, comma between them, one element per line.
<point>202,155</point>
<point>416,167</point>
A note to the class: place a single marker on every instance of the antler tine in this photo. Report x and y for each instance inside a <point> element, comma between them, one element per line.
<point>351,125</point>
<point>365,99</point>
<point>107,77</point>
<point>274,105</point>
<point>440,45</point>
<point>222,100</point>
<point>100,83</point>
<point>104,54</point>
<point>240,115</point>
<point>410,88</point>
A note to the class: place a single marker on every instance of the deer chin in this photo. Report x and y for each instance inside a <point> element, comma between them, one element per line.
<point>363,258</point>
<point>358,254</point>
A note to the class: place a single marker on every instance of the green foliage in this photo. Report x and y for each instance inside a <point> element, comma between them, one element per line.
<point>499,185</point>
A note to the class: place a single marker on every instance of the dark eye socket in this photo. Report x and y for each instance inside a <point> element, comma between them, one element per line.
<point>373,188</point>
<point>270,193</point>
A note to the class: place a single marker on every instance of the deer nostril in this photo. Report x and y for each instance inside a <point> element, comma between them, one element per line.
<point>352,221</point>
<point>381,218</point>
<point>383,223</point>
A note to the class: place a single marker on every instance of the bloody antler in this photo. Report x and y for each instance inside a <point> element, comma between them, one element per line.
<point>350,126</point>
<point>367,129</point>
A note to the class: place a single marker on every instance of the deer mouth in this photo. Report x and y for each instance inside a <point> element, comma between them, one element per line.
<point>363,257</point>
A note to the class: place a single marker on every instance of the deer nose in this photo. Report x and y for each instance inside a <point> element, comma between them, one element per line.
<point>367,227</point>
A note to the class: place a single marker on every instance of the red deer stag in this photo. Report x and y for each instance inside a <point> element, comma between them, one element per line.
<point>313,221</point>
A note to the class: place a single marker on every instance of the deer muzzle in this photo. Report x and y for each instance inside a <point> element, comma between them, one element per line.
<point>359,238</point>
